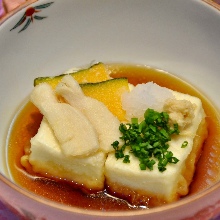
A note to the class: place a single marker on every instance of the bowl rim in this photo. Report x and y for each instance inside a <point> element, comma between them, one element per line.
<point>63,207</point>
<point>15,10</point>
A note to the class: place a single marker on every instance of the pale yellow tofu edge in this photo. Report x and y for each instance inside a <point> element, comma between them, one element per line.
<point>46,157</point>
<point>154,182</point>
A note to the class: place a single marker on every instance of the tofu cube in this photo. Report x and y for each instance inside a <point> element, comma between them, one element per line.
<point>126,179</point>
<point>46,157</point>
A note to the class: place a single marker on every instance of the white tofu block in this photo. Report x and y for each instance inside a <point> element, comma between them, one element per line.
<point>156,183</point>
<point>47,157</point>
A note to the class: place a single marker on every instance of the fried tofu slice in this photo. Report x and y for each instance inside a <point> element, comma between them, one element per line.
<point>152,187</point>
<point>47,157</point>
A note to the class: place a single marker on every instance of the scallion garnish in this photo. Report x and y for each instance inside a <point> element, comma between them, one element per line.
<point>184,144</point>
<point>148,140</point>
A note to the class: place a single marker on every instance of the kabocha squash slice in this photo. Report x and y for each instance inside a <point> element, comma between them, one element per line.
<point>96,73</point>
<point>109,92</point>
<point>96,83</point>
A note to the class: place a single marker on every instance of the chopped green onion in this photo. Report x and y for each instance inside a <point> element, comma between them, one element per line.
<point>126,159</point>
<point>134,120</point>
<point>184,144</point>
<point>148,140</point>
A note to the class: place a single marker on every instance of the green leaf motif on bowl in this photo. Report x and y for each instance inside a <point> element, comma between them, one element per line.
<point>29,16</point>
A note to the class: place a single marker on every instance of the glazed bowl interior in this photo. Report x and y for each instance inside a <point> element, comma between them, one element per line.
<point>181,37</point>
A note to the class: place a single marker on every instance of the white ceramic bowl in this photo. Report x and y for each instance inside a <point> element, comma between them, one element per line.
<point>181,37</point>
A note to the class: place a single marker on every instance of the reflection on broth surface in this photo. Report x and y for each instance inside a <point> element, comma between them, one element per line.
<point>28,121</point>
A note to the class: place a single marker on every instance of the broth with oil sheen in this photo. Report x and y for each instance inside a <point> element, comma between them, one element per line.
<point>28,121</point>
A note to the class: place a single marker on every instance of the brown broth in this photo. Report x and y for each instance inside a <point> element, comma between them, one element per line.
<point>28,120</point>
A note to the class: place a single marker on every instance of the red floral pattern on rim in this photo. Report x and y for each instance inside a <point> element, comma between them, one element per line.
<point>29,16</point>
